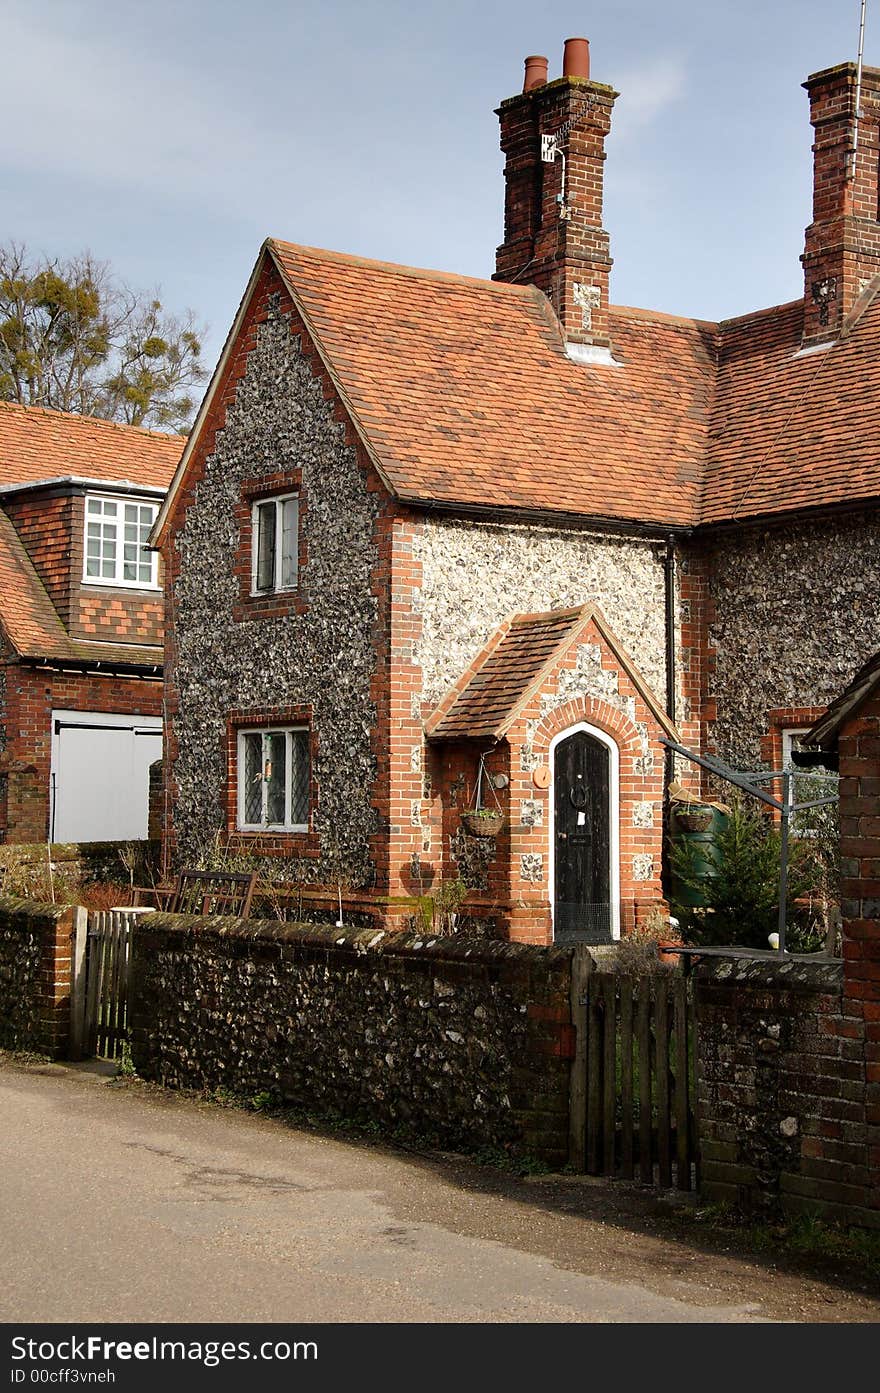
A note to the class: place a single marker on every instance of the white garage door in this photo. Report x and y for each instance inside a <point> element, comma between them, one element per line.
<point>100,775</point>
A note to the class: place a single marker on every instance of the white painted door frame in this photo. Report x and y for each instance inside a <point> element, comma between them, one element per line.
<point>613,818</point>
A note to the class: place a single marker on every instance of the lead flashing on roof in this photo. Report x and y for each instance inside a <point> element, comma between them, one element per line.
<point>591,355</point>
<point>75,481</point>
<point>814,348</point>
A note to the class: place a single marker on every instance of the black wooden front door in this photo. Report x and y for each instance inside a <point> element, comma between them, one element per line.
<point>582,876</point>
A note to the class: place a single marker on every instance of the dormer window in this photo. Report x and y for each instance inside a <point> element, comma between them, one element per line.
<point>275,544</point>
<point>116,535</point>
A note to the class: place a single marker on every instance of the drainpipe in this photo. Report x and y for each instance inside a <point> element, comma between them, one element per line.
<point>669,757</point>
<point>669,603</point>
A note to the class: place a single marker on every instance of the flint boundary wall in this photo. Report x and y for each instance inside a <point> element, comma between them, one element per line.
<point>465,1041</point>
<point>782,1090</point>
<point>36,956</point>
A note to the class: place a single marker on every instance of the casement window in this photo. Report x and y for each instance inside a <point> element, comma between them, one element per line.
<point>275,544</point>
<point>273,779</point>
<point>116,532</point>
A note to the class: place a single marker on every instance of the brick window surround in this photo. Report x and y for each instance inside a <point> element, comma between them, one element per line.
<point>780,720</point>
<point>269,841</point>
<point>274,604</point>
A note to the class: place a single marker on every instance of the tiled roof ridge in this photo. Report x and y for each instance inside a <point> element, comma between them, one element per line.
<point>549,615</point>
<point>738,320</point>
<point>673,321</point>
<point>79,416</point>
<point>569,622</point>
<point>369,263</point>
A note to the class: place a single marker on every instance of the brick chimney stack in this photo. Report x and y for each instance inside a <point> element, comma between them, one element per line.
<point>553,234</point>
<point>842,244</point>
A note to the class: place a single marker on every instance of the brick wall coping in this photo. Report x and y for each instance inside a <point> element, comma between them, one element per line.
<point>458,948</point>
<point>11,906</point>
<point>804,972</point>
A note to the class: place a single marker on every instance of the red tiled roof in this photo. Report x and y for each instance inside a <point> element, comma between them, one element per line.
<point>792,430</point>
<point>490,691</point>
<point>463,391</point>
<point>37,444</point>
<point>465,398</point>
<point>485,701</point>
<point>28,617</point>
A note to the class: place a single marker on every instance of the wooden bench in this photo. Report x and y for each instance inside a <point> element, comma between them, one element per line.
<point>204,892</point>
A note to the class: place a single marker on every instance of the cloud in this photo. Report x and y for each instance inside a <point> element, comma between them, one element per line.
<point>647,89</point>
<point>94,108</point>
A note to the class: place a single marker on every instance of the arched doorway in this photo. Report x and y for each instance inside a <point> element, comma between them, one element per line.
<point>584,837</point>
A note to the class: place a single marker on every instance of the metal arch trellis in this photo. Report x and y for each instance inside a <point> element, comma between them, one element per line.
<point>749,782</point>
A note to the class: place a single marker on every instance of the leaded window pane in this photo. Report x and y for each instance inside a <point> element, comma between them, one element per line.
<point>299,799</point>
<point>275,751</point>
<point>253,780</point>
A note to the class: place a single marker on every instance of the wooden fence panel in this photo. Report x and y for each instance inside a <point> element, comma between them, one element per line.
<point>626,1078</point>
<point>108,957</point>
<point>639,1084</point>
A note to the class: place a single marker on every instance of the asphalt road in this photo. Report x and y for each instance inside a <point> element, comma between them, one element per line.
<point>122,1203</point>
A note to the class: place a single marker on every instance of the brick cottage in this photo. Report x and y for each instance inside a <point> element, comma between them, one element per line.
<point>80,624</point>
<point>438,540</point>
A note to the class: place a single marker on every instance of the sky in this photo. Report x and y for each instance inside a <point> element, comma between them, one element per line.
<point>170,139</point>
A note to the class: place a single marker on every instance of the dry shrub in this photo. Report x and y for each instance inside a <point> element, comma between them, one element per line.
<point>28,875</point>
<point>104,894</point>
<point>637,954</point>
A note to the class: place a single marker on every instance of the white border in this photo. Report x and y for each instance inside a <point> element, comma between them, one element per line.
<point>613,816</point>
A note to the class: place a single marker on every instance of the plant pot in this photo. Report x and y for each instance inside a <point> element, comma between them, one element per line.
<point>483,822</point>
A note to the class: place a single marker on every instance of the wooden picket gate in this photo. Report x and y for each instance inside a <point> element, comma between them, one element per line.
<point>633,1088</point>
<point>102,997</point>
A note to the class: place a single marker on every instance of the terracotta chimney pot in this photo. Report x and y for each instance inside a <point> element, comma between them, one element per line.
<point>536,72</point>
<point>576,59</point>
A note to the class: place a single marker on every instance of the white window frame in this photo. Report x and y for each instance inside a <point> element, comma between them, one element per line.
<point>278,500</point>
<point>288,825</point>
<point>117,580</point>
<point>789,735</point>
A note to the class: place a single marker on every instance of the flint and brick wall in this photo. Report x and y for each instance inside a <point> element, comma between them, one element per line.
<point>317,651</point>
<point>465,1041</point>
<point>790,1050</point>
<point>36,946</point>
<point>789,617</point>
<point>782,1090</point>
<point>859,752</point>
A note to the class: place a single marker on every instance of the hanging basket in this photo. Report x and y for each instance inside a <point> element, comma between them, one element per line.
<point>482,822</point>
<point>695,821</point>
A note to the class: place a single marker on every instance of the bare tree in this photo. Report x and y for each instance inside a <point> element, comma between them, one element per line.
<point>74,338</point>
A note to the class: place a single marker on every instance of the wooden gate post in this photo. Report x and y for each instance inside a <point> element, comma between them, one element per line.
<point>78,983</point>
<point>581,967</point>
